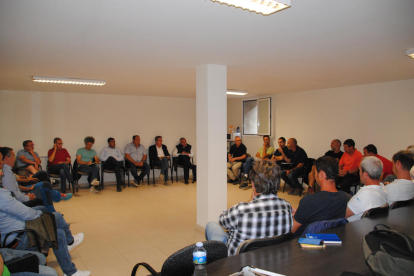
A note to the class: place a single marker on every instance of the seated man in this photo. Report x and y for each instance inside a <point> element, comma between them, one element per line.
<point>325,205</point>
<point>371,150</point>
<point>403,187</point>
<point>58,162</point>
<point>297,157</point>
<point>236,157</point>
<point>88,161</point>
<point>29,160</point>
<point>42,190</point>
<point>372,195</point>
<point>335,152</point>
<point>263,153</point>
<point>391,177</point>
<point>264,215</point>
<point>348,166</point>
<point>184,152</point>
<point>159,155</point>
<point>13,217</point>
<point>278,154</point>
<point>136,154</point>
<point>114,160</point>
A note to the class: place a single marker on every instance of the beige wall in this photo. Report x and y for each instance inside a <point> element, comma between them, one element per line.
<point>41,116</point>
<point>381,114</point>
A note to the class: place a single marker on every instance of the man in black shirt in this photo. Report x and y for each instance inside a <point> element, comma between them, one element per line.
<point>335,152</point>
<point>326,205</point>
<point>297,157</point>
<point>236,156</point>
<point>184,152</point>
<point>277,155</point>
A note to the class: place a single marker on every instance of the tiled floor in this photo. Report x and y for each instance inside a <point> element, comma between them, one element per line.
<point>145,224</point>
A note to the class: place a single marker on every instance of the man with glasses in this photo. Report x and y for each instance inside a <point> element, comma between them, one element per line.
<point>58,161</point>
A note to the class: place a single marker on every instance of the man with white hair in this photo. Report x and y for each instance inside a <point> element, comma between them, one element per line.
<point>403,187</point>
<point>372,195</point>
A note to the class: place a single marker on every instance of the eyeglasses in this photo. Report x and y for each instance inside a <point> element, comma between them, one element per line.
<point>59,143</point>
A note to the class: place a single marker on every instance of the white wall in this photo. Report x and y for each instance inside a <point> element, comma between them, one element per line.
<point>381,114</point>
<point>41,116</point>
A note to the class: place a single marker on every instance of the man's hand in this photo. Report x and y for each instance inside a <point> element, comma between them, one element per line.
<point>293,211</point>
<point>31,196</point>
<point>342,173</point>
<point>36,166</point>
<point>29,178</point>
<point>288,172</point>
<point>140,164</point>
<point>280,150</point>
<point>55,147</point>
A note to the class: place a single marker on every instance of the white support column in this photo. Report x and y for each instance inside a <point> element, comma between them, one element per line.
<point>211,142</point>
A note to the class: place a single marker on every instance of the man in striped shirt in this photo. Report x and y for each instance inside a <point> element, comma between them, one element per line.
<point>265,215</point>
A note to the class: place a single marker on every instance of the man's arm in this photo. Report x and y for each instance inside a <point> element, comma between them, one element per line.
<point>120,157</point>
<point>17,209</point>
<point>241,157</point>
<point>129,158</point>
<point>229,219</point>
<point>348,213</point>
<point>52,153</point>
<point>102,156</point>
<point>296,226</point>
<point>96,159</point>
<point>27,161</point>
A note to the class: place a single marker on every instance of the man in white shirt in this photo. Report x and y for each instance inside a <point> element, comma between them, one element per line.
<point>403,187</point>
<point>113,160</point>
<point>372,195</point>
<point>184,152</point>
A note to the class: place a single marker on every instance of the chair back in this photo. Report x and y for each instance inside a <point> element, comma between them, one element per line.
<point>254,244</point>
<point>181,262</point>
<point>376,211</point>
<point>403,203</point>
<point>319,226</point>
<point>307,167</point>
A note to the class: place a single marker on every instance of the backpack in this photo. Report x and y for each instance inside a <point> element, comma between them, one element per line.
<point>389,252</point>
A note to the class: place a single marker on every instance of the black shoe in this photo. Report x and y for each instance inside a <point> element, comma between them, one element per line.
<point>230,181</point>
<point>236,181</point>
<point>137,182</point>
<point>194,180</point>
<point>119,189</point>
<point>244,185</point>
<point>186,182</point>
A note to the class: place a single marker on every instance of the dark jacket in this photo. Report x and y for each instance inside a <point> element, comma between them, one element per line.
<point>153,155</point>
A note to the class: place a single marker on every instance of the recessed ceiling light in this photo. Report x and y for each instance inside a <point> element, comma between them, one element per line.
<point>410,53</point>
<point>236,92</point>
<point>68,81</point>
<point>264,7</point>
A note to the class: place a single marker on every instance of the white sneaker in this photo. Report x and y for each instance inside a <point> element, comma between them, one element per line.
<point>92,190</point>
<point>161,176</point>
<point>77,240</point>
<point>95,182</point>
<point>80,273</point>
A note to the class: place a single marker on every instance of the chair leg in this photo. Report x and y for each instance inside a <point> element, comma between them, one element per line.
<point>148,175</point>
<point>153,177</point>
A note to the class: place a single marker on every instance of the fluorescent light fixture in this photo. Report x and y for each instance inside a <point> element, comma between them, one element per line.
<point>410,53</point>
<point>236,92</point>
<point>68,81</point>
<point>264,7</point>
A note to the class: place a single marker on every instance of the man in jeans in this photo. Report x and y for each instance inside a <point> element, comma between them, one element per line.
<point>13,216</point>
<point>58,161</point>
<point>88,161</point>
<point>136,155</point>
<point>114,160</point>
<point>264,152</point>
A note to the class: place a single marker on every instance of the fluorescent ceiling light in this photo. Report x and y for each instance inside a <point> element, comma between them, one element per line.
<point>410,53</point>
<point>69,81</point>
<point>264,7</point>
<point>236,92</point>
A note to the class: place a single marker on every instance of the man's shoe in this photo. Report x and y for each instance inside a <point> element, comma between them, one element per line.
<point>291,191</point>
<point>92,190</point>
<point>230,181</point>
<point>77,240</point>
<point>76,186</point>
<point>119,189</point>
<point>194,180</point>
<point>236,181</point>
<point>95,182</point>
<point>249,186</point>
<point>161,176</point>
<point>137,182</point>
<point>65,196</point>
<point>166,183</point>
<point>54,182</point>
<point>243,185</point>
<point>186,182</point>
<point>80,273</point>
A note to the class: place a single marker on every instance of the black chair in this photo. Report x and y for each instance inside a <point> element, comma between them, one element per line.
<point>376,211</point>
<point>254,244</point>
<point>57,175</point>
<point>403,203</point>
<point>153,168</point>
<point>307,167</point>
<point>77,175</point>
<point>103,171</point>
<point>319,226</point>
<point>175,167</point>
<point>181,262</point>
<point>139,169</point>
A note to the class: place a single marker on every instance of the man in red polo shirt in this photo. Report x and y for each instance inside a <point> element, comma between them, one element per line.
<point>58,162</point>
<point>348,166</point>
<point>371,150</point>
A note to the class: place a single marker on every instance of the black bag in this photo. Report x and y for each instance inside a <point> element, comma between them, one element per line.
<point>26,263</point>
<point>389,252</point>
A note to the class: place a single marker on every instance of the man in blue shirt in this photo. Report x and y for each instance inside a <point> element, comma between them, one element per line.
<point>136,155</point>
<point>113,160</point>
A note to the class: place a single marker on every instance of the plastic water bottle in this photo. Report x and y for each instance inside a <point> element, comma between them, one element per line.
<point>200,260</point>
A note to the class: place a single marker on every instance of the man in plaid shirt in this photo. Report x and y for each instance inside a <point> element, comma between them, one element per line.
<point>265,215</point>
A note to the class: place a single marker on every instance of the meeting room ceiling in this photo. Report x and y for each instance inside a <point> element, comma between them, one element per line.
<point>152,47</point>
